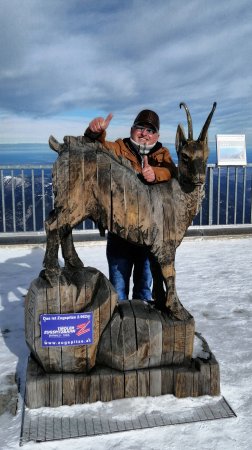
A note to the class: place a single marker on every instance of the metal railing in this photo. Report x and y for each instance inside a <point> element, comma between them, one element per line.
<point>26,197</point>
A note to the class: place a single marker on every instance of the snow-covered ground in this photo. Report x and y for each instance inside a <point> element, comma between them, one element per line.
<point>214,282</point>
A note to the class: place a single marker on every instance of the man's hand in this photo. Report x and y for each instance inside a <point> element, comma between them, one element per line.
<point>147,171</point>
<point>99,124</point>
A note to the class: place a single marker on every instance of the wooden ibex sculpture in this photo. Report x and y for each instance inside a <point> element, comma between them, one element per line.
<point>90,182</point>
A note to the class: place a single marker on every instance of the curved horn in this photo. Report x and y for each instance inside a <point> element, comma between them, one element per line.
<point>189,120</point>
<point>54,144</point>
<point>207,123</point>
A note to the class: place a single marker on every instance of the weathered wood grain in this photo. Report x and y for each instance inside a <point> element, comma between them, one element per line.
<point>143,383</point>
<point>103,384</point>
<point>106,386</point>
<point>68,389</point>
<point>183,386</point>
<point>130,384</point>
<point>141,313</point>
<point>95,387</point>
<point>129,336</point>
<point>155,333</point>
<point>155,382</point>
<point>82,388</point>
<point>55,390</point>
<point>117,384</point>
<point>168,334</point>
<point>139,336</point>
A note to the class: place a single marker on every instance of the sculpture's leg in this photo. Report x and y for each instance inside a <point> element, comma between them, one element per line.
<point>72,260</point>
<point>158,292</point>
<point>52,244</point>
<point>172,302</point>
<point>164,289</point>
<point>51,262</point>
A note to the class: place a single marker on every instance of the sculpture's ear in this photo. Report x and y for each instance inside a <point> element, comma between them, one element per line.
<point>54,144</point>
<point>180,140</point>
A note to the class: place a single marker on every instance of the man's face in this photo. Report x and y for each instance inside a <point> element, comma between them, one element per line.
<point>142,134</point>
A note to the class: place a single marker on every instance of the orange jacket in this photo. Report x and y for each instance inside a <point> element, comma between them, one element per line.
<point>159,157</point>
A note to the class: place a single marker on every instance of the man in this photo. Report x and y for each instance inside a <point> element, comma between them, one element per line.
<point>153,161</point>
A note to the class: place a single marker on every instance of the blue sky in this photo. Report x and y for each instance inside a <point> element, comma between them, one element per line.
<point>64,62</point>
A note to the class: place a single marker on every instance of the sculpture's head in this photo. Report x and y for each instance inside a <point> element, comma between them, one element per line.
<point>192,154</point>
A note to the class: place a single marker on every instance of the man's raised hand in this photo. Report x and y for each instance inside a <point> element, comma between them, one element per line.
<point>99,124</point>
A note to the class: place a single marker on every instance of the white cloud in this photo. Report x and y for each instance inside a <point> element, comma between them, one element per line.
<point>122,57</point>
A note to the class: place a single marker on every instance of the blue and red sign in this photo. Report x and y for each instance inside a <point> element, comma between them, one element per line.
<point>58,330</point>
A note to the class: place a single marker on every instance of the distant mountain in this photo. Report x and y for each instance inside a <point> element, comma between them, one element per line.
<point>18,192</point>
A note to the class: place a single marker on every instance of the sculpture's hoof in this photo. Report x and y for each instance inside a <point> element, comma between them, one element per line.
<point>179,313</point>
<point>51,276</point>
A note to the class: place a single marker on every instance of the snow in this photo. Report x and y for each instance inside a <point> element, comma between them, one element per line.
<point>214,283</point>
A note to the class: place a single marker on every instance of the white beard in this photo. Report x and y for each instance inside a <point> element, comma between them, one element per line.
<point>143,149</point>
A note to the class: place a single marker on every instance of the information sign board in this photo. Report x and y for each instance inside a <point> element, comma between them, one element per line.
<point>231,150</point>
<point>66,329</point>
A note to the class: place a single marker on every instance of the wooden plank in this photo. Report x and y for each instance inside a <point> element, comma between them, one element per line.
<point>179,342</point>
<point>189,338</point>
<point>141,314</point>
<point>117,385</point>
<point>204,377</point>
<point>167,380</point>
<point>82,388</point>
<point>67,298</point>
<point>144,213</point>
<point>92,348</point>
<point>157,211</point>
<point>106,385</point>
<point>155,382</point>
<point>131,202</point>
<point>94,393</point>
<point>31,384</point>
<point>214,377</point>
<point>131,384</point>
<point>37,385</point>
<point>104,187</point>
<point>119,207</point>
<point>68,389</point>
<point>80,358</point>
<point>155,333</point>
<point>143,383</point>
<point>195,386</point>
<point>76,185</point>
<point>36,305</point>
<point>55,388</point>
<point>116,342</point>
<point>60,179</point>
<point>40,304</point>
<point>168,337</point>
<point>43,389</point>
<point>183,383</point>
<point>169,214</point>
<point>129,336</point>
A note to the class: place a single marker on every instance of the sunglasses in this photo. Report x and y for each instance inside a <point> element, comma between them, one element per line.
<point>140,128</point>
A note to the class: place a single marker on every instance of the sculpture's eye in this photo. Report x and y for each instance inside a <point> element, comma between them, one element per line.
<point>185,157</point>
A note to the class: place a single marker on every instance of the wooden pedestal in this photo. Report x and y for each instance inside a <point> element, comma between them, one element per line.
<point>137,350</point>
<point>84,290</point>
<point>201,377</point>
